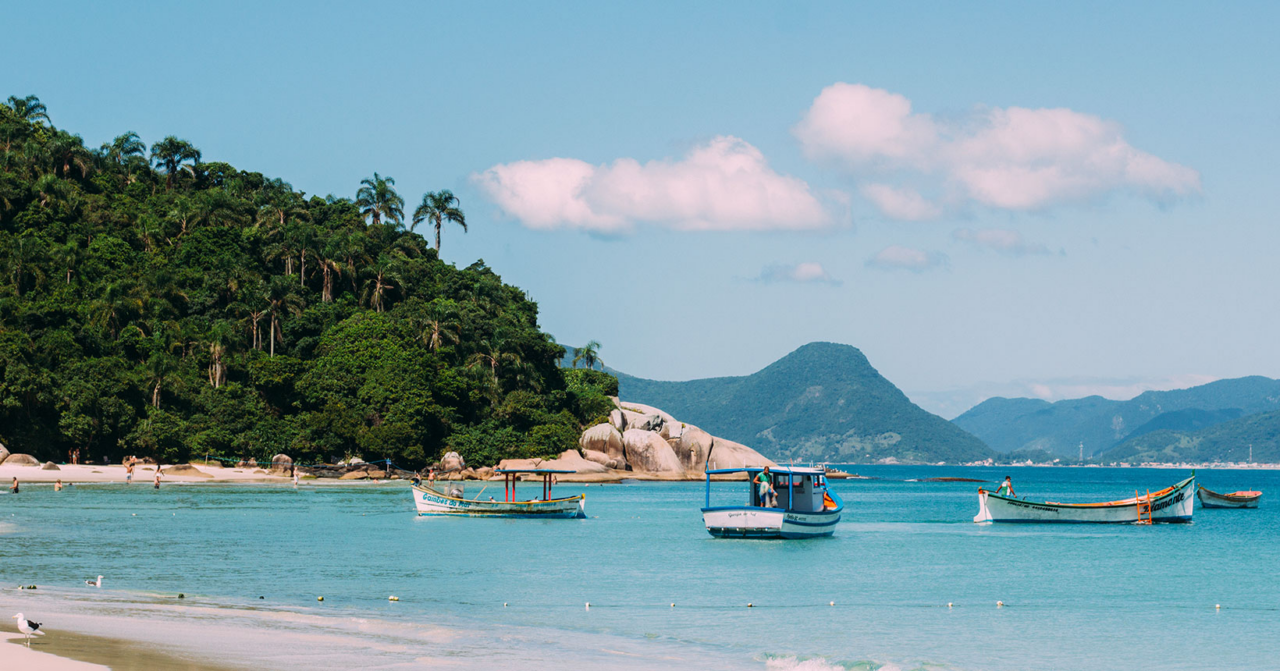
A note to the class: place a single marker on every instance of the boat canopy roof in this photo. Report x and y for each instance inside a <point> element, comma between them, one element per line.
<point>532,470</point>
<point>784,470</point>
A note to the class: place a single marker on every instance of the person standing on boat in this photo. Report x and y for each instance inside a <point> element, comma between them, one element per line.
<point>1006,487</point>
<point>764,480</point>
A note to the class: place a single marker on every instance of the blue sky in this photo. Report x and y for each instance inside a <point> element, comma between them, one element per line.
<point>1077,198</point>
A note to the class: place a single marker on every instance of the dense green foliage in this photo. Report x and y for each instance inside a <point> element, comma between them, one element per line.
<point>822,402</point>
<point>1225,441</point>
<point>1023,423</point>
<point>164,306</point>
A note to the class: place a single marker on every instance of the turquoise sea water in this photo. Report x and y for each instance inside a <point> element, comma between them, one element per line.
<point>1077,597</point>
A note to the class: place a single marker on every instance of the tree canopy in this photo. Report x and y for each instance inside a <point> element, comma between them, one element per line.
<point>155,304</point>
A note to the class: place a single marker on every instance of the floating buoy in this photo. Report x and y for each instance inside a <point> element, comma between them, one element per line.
<point>181,595</point>
<point>319,598</point>
<point>504,604</point>
<point>673,605</point>
<point>751,605</point>
<point>832,603</point>
<point>1216,606</point>
<point>999,604</point>
<point>588,605</point>
<point>262,597</point>
<point>393,598</point>
<point>135,514</point>
<point>948,604</point>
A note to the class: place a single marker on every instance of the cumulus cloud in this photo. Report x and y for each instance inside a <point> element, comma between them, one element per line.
<point>896,257</point>
<point>723,185</point>
<point>1010,243</point>
<point>1011,158</point>
<point>804,273</point>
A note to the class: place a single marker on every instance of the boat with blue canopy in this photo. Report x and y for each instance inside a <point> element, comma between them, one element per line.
<point>449,498</point>
<point>802,506</point>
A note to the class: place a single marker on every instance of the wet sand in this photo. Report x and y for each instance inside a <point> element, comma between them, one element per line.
<point>68,651</point>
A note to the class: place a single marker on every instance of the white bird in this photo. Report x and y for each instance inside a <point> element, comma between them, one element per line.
<point>28,627</point>
<point>94,583</point>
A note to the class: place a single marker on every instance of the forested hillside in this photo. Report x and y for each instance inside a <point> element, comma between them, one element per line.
<point>156,304</point>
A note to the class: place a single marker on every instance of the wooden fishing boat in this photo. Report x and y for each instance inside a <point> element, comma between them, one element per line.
<point>449,498</point>
<point>1211,499</point>
<point>805,507</point>
<point>1172,504</point>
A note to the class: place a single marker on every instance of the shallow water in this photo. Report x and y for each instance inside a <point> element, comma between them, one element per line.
<point>1078,597</point>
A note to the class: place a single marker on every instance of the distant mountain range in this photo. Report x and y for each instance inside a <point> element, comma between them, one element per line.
<point>822,402</point>
<point>1225,441</point>
<point>1011,424</point>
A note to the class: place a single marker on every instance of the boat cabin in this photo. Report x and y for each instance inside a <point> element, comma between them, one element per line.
<point>797,489</point>
<point>512,475</point>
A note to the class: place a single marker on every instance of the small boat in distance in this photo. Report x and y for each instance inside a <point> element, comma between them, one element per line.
<point>805,508</point>
<point>430,500</point>
<point>1211,499</point>
<point>1172,504</point>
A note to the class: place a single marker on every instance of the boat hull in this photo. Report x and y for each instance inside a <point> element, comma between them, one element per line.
<point>430,503</point>
<point>1212,499</point>
<point>753,522</point>
<point>1174,504</point>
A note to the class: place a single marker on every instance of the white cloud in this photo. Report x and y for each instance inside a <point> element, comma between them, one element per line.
<point>1005,158</point>
<point>896,257</point>
<point>1122,390</point>
<point>1001,240</point>
<point>723,185</point>
<point>805,273</point>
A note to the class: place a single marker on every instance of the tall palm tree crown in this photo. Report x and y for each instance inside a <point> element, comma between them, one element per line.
<point>173,155</point>
<point>378,199</point>
<point>439,207</point>
<point>29,108</point>
<point>588,355</point>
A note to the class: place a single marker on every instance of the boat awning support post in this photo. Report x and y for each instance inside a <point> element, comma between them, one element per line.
<point>708,505</point>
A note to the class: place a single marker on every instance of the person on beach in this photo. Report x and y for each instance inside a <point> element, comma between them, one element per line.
<point>13,488</point>
<point>157,477</point>
<point>128,473</point>
<point>1006,487</point>
<point>764,480</point>
<point>57,486</point>
<point>295,479</point>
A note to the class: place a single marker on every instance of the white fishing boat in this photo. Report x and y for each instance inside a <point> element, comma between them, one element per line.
<point>1211,499</point>
<point>449,498</point>
<point>805,508</point>
<point>1172,504</point>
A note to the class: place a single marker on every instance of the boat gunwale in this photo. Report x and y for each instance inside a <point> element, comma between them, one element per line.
<point>576,497</point>
<point>1124,503</point>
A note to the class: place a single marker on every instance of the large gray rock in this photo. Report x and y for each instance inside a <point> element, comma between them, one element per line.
<point>186,470</point>
<point>615,418</point>
<point>694,447</point>
<point>21,460</point>
<point>728,454</point>
<point>281,464</point>
<point>50,466</point>
<point>641,421</point>
<point>603,438</point>
<point>605,460</point>
<point>647,451</point>
<point>4,453</point>
<point>570,460</point>
<point>452,462</point>
<point>650,410</point>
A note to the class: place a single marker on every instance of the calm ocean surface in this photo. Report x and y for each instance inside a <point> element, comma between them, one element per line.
<point>1077,597</point>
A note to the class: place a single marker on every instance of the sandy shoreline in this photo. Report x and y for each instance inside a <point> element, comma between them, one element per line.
<point>143,474</point>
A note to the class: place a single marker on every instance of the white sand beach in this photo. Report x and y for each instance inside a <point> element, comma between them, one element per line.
<point>143,474</point>
<point>14,656</point>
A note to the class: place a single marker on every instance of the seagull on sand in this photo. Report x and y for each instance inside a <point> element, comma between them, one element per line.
<point>28,627</point>
<point>94,583</point>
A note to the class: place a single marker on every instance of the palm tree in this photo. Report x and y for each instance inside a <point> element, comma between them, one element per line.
<point>24,257</point>
<point>220,342</point>
<point>29,108</point>
<point>438,207</point>
<point>281,300</point>
<point>441,325</point>
<point>173,155</point>
<point>384,275</point>
<point>587,355</point>
<point>492,353</point>
<point>70,256</point>
<point>124,147</point>
<point>377,199</point>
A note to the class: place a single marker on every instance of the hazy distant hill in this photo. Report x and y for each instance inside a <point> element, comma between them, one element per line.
<point>1227,441</point>
<point>1014,424</point>
<point>822,402</point>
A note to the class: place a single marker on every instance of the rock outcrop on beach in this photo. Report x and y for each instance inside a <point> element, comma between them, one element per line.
<point>281,464</point>
<point>4,454</point>
<point>21,460</point>
<point>50,466</point>
<point>186,470</point>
